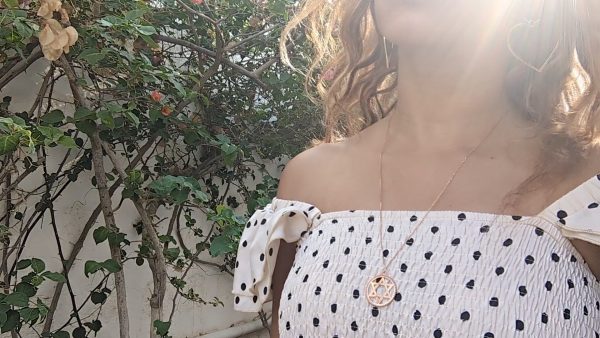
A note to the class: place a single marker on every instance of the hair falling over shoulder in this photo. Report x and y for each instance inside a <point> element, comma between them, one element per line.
<point>355,88</point>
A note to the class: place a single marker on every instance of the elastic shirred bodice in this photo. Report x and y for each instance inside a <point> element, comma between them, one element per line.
<point>458,275</point>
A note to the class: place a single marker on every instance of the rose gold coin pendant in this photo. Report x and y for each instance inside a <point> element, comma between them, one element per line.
<point>381,289</point>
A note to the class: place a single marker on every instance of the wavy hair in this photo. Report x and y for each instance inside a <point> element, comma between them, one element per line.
<point>356,89</point>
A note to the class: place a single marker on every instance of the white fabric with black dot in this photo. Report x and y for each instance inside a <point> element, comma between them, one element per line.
<point>459,276</point>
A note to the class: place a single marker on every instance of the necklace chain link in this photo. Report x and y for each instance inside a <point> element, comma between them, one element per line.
<point>382,280</point>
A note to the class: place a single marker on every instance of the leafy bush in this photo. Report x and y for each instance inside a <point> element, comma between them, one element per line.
<point>176,106</point>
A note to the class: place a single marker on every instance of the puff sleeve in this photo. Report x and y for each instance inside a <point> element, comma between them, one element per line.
<point>259,245</point>
<point>578,212</point>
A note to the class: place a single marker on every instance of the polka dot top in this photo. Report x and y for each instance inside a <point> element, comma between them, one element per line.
<point>460,275</point>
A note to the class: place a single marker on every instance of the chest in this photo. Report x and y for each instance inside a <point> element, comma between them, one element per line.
<point>482,185</point>
<point>514,273</point>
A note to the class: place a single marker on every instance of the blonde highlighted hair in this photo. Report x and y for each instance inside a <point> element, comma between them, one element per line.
<point>356,89</point>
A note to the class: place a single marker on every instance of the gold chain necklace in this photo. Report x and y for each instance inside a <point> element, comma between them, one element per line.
<point>381,288</point>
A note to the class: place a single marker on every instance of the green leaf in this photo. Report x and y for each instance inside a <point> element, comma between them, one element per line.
<point>171,253</point>
<point>100,234</point>
<point>19,13</point>
<point>162,328</point>
<point>107,21</point>
<point>67,141</point>
<point>164,185</point>
<point>16,298</point>
<point>9,143</point>
<point>12,320</point>
<point>177,187</point>
<point>19,121</point>
<point>83,113</point>
<point>26,288</point>
<point>180,196</point>
<point>86,126</point>
<point>42,307</point>
<point>133,118</point>
<point>166,239</point>
<point>95,325</point>
<point>51,134</point>
<point>151,43</point>
<point>23,263</point>
<point>111,265</point>
<point>55,276</point>
<point>98,297</point>
<point>29,314</point>
<point>135,14</point>
<point>146,30</point>
<point>93,58</point>
<point>79,332</point>
<point>230,152</point>
<point>220,245</point>
<point>117,238</point>
<point>54,116</point>
<point>37,265</point>
<point>12,3</point>
<point>91,267</point>
<point>61,334</point>
<point>36,280</point>
<point>178,86</point>
<point>107,118</point>
<point>154,114</point>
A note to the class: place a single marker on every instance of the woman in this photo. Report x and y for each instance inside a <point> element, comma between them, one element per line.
<point>505,242</point>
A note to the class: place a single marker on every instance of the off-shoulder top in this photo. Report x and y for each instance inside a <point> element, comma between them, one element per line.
<point>458,276</point>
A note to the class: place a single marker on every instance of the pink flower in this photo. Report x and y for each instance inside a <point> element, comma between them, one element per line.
<point>156,95</point>
<point>198,2</point>
<point>166,111</point>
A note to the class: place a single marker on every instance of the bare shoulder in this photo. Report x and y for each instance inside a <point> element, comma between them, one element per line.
<point>316,172</point>
<point>307,171</point>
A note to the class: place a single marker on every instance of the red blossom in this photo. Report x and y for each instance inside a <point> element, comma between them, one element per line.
<point>156,95</point>
<point>166,111</point>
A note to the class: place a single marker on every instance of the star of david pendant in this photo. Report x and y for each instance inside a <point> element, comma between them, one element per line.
<point>380,290</point>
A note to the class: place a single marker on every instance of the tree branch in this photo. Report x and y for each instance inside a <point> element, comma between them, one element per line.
<point>21,66</point>
<point>84,233</point>
<point>250,74</point>
<point>160,267</point>
<point>105,200</point>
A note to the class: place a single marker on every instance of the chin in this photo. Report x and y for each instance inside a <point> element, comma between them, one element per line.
<point>411,29</point>
<point>411,23</point>
<point>420,34</point>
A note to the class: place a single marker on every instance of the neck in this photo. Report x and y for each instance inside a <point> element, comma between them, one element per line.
<point>448,98</point>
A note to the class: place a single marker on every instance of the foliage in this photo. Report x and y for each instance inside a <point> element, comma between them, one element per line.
<point>176,105</point>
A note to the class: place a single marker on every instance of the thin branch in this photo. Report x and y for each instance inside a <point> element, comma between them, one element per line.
<point>266,65</point>
<point>20,66</point>
<point>6,240</point>
<point>105,199</point>
<point>39,97</point>
<point>250,74</point>
<point>200,14</point>
<point>85,231</point>
<point>160,268</point>
<point>237,44</point>
<point>49,179</point>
